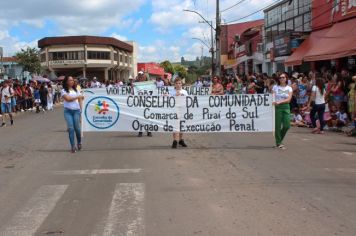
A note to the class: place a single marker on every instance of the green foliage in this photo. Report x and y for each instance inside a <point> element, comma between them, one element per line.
<point>29,59</point>
<point>191,78</point>
<point>203,70</point>
<point>181,70</point>
<point>167,65</point>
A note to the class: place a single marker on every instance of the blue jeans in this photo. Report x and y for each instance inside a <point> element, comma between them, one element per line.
<point>72,118</point>
<point>320,109</point>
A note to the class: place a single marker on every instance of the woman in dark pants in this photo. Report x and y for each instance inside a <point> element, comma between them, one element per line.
<point>318,97</point>
<point>43,95</point>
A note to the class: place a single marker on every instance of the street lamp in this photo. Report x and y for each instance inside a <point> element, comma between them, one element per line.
<point>212,51</point>
<point>203,43</point>
<point>206,21</point>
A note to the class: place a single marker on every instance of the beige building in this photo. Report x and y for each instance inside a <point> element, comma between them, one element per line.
<point>89,56</point>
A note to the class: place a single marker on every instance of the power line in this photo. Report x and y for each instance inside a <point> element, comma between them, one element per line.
<point>253,13</point>
<point>238,3</point>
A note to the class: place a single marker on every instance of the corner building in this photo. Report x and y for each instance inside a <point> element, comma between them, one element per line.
<point>89,56</point>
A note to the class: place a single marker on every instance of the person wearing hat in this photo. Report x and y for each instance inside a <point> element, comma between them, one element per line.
<point>95,83</point>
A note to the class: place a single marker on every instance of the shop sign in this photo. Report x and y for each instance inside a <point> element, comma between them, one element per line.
<point>282,46</point>
<point>67,62</point>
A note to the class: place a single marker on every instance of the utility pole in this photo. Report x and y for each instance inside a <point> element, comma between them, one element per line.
<point>213,69</point>
<point>217,37</point>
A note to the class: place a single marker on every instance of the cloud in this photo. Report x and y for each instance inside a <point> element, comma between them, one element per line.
<point>136,25</point>
<point>194,51</point>
<point>93,17</point>
<point>158,52</point>
<point>119,37</point>
<point>11,45</point>
<point>167,14</point>
<point>97,17</point>
<point>4,34</point>
<point>72,17</point>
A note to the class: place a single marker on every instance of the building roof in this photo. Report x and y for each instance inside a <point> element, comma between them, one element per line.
<point>275,5</point>
<point>9,59</point>
<point>228,33</point>
<point>94,40</point>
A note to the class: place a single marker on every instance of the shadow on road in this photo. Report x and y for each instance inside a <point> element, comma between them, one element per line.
<point>153,148</point>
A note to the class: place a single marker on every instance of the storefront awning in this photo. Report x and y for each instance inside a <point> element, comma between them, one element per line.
<point>311,42</point>
<point>338,42</point>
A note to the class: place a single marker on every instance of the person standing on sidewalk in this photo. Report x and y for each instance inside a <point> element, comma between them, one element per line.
<point>50,98</point>
<point>283,95</point>
<point>72,107</point>
<point>6,109</point>
<point>43,97</point>
<point>318,98</point>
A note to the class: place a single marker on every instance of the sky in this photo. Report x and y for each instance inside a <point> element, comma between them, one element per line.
<point>162,30</point>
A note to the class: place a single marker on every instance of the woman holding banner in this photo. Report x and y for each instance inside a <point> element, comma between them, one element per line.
<point>72,107</point>
<point>217,88</point>
<point>283,95</point>
<point>178,91</point>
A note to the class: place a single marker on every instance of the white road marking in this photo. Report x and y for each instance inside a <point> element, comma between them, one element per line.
<point>97,172</point>
<point>347,170</point>
<point>126,213</point>
<point>29,219</point>
<point>347,153</point>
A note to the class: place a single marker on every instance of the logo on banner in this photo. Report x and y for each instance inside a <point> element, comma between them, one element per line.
<point>102,112</point>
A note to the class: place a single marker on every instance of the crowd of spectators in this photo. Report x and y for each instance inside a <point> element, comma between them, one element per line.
<point>340,95</point>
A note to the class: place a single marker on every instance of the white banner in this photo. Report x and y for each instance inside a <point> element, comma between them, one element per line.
<point>190,114</point>
<point>126,90</point>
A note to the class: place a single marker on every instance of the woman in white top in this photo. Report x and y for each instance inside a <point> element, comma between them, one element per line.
<point>283,95</point>
<point>178,91</point>
<point>318,96</point>
<point>72,108</point>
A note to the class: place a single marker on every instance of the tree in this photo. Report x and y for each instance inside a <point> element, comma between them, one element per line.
<point>192,69</point>
<point>191,78</point>
<point>167,66</point>
<point>29,59</point>
<point>181,70</point>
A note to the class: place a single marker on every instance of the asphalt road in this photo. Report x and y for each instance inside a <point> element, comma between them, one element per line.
<point>222,184</point>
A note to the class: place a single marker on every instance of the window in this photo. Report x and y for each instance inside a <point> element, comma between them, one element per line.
<point>121,58</point>
<point>43,57</point>
<point>298,23</point>
<point>296,7</point>
<point>307,22</point>
<point>116,56</point>
<point>289,25</point>
<point>98,55</point>
<point>304,6</point>
<point>282,28</point>
<point>289,11</point>
<point>81,55</point>
<point>269,34</point>
<point>75,55</point>
<point>284,11</point>
<point>126,59</point>
<point>274,31</point>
